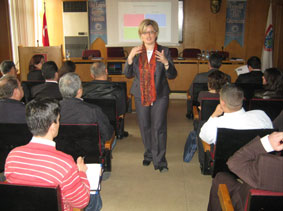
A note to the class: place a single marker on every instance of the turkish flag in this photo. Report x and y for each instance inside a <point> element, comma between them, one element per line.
<point>45,39</point>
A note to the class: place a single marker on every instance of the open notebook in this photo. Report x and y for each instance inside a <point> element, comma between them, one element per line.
<point>94,173</point>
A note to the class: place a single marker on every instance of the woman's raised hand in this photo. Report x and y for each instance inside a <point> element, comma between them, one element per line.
<point>136,50</point>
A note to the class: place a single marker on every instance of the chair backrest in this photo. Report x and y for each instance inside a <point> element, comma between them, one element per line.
<point>115,52</point>
<point>174,52</point>
<point>191,52</point>
<point>272,107</point>
<point>123,85</point>
<point>208,106</point>
<point>27,86</point>
<point>80,140</point>
<point>92,53</point>
<point>229,141</point>
<point>223,54</point>
<point>109,108</point>
<point>197,87</point>
<point>249,89</point>
<point>11,136</point>
<point>29,198</point>
<point>264,200</point>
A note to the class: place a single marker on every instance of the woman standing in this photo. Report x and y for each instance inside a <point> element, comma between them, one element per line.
<point>151,65</point>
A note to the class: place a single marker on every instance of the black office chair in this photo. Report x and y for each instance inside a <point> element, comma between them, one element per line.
<point>228,142</point>
<point>30,198</point>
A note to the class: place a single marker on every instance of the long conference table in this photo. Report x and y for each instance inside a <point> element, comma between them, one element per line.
<point>187,70</point>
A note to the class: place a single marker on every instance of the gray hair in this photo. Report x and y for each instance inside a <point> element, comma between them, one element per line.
<point>232,96</point>
<point>98,69</point>
<point>69,84</point>
<point>7,86</point>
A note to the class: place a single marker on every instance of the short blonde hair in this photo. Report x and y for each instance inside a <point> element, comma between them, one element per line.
<point>148,22</point>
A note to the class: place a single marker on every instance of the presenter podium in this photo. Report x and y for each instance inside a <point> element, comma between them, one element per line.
<point>51,53</point>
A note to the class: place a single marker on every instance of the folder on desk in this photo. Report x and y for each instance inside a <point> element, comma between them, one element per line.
<point>94,173</point>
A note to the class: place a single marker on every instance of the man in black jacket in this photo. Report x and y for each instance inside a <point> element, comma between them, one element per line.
<point>11,92</point>
<point>254,76</point>
<point>100,87</point>
<point>75,111</point>
<point>50,88</point>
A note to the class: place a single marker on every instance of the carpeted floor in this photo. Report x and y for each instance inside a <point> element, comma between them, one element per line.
<point>133,187</point>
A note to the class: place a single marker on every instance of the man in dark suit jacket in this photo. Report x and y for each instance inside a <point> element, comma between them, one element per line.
<point>100,87</point>
<point>50,88</point>
<point>255,167</point>
<point>11,92</point>
<point>214,63</point>
<point>75,111</point>
<point>255,74</point>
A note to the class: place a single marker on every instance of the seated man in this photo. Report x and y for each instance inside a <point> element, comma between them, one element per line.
<point>11,92</point>
<point>50,88</point>
<point>100,87</point>
<point>255,167</point>
<point>214,63</point>
<point>230,114</point>
<point>8,68</point>
<point>254,76</point>
<point>39,163</point>
<point>75,111</point>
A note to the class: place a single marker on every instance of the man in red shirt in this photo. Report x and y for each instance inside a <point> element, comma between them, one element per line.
<point>39,163</point>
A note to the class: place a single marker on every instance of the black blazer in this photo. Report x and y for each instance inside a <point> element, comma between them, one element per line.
<point>76,111</point>
<point>48,89</point>
<point>35,75</point>
<point>160,75</point>
<point>253,77</point>
<point>12,111</point>
<point>106,89</point>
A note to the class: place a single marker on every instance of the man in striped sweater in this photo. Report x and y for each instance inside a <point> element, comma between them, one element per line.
<point>39,163</point>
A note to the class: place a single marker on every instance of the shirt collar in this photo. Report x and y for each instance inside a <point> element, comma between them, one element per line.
<point>241,111</point>
<point>51,81</point>
<point>43,141</point>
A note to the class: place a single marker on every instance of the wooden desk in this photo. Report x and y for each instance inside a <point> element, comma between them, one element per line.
<point>83,67</point>
<point>187,70</point>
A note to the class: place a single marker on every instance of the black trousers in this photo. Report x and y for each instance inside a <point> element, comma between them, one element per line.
<point>153,126</point>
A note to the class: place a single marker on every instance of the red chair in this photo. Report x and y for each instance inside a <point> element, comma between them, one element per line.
<point>115,52</point>
<point>191,52</point>
<point>257,200</point>
<point>174,52</point>
<point>91,53</point>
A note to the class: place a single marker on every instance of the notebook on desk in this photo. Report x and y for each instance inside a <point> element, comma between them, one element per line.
<point>94,173</point>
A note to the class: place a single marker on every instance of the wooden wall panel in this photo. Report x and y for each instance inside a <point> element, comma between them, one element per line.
<point>5,38</point>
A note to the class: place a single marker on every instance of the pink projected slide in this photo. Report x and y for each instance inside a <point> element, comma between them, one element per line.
<point>133,19</point>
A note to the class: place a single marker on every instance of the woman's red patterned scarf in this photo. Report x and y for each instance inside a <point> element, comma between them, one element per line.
<point>147,85</point>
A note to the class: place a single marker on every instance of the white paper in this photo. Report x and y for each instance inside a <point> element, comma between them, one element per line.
<point>93,173</point>
<point>242,69</point>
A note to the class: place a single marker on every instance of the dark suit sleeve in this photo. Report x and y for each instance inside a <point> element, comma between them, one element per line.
<point>105,128</point>
<point>244,163</point>
<point>129,70</point>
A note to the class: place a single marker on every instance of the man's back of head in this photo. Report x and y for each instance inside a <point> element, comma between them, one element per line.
<point>10,87</point>
<point>232,96</point>
<point>50,70</point>
<point>69,85</point>
<point>215,61</point>
<point>40,114</point>
<point>98,71</point>
<point>8,67</point>
<point>254,63</point>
